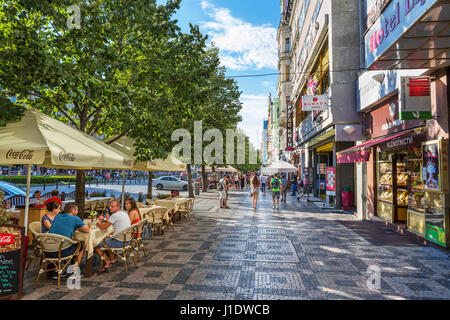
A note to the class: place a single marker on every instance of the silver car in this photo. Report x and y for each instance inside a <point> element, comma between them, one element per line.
<point>170,183</point>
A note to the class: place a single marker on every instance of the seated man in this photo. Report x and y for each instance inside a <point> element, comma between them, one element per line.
<point>119,220</point>
<point>65,224</point>
<point>54,197</point>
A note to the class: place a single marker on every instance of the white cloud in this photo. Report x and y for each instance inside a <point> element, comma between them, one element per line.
<point>254,111</point>
<point>243,46</point>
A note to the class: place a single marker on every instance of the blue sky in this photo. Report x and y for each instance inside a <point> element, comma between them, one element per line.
<point>245,32</point>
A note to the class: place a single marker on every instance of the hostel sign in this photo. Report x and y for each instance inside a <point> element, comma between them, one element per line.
<point>395,20</point>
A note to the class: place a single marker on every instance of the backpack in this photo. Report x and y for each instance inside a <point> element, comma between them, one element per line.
<point>276,183</point>
<point>220,185</point>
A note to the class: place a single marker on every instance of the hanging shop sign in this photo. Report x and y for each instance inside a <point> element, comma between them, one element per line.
<point>315,103</point>
<point>391,24</point>
<point>415,98</point>
<point>290,128</point>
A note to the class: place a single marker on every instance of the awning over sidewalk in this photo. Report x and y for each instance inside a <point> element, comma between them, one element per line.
<point>361,152</point>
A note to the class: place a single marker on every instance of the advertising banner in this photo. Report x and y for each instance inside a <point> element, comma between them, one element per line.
<point>331,179</point>
<point>430,170</point>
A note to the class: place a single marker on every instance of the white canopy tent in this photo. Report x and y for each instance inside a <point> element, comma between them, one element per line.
<point>279,166</point>
<point>38,139</point>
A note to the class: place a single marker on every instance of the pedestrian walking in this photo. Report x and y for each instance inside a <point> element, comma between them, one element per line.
<point>236,181</point>
<point>303,189</point>
<point>277,188</point>
<point>284,188</point>
<point>262,179</point>
<point>221,187</point>
<point>255,189</point>
<point>242,181</point>
<point>248,181</point>
<point>294,185</point>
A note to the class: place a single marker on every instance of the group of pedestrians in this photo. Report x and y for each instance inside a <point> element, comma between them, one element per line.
<point>277,183</point>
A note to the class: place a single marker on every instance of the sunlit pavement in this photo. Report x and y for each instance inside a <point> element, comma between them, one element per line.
<point>297,252</point>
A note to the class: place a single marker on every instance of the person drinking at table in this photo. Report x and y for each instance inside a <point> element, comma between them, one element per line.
<point>133,212</point>
<point>53,208</point>
<point>119,220</point>
<point>65,224</point>
<point>37,201</point>
<point>54,197</point>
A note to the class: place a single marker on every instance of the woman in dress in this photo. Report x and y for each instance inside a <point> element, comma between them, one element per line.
<point>242,181</point>
<point>37,201</point>
<point>254,181</point>
<point>53,209</point>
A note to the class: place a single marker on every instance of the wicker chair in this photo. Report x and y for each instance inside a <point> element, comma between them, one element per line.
<point>158,219</point>
<point>124,252</point>
<point>35,228</point>
<point>137,241</point>
<point>51,243</point>
<point>183,209</point>
<point>150,202</point>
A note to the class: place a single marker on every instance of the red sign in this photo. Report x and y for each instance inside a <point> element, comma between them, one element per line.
<point>6,239</point>
<point>331,179</point>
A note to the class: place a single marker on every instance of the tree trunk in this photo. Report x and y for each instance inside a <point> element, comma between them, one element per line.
<point>190,187</point>
<point>205,179</point>
<point>80,191</point>
<point>149,186</point>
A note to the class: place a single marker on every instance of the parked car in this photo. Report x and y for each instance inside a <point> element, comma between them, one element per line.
<point>170,183</point>
<point>11,190</point>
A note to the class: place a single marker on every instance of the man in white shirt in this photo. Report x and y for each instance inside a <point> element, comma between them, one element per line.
<point>119,220</point>
<point>262,178</point>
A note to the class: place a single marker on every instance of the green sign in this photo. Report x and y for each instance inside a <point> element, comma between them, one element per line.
<point>415,98</point>
<point>435,234</point>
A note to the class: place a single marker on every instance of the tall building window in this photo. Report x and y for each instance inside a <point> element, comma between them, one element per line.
<point>286,68</point>
<point>288,45</point>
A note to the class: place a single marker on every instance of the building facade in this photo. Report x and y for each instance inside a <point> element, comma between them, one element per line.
<point>403,99</point>
<point>323,60</point>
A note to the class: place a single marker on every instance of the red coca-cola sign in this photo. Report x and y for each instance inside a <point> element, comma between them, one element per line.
<point>20,155</point>
<point>6,239</point>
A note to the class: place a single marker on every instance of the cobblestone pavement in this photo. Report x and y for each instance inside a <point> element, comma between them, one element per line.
<point>298,252</point>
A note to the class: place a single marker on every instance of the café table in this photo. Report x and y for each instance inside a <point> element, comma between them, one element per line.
<point>91,240</point>
<point>171,204</point>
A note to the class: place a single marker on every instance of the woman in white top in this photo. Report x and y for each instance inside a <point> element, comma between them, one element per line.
<point>37,200</point>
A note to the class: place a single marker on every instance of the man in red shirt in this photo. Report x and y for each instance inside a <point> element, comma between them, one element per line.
<point>54,197</point>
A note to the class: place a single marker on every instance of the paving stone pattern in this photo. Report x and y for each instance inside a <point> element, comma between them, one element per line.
<point>298,252</point>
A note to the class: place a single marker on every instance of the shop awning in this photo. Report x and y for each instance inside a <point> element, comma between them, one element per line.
<point>361,152</point>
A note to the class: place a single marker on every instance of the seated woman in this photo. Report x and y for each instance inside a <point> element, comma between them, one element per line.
<point>53,208</point>
<point>37,201</point>
<point>133,213</point>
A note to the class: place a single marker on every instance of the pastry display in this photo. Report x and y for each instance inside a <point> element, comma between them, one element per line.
<point>386,179</point>
<point>402,179</point>
<point>386,195</point>
<point>402,198</point>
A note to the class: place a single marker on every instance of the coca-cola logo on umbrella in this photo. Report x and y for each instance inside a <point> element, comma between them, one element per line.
<point>20,155</point>
<point>6,239</point>
<point>315,99</point>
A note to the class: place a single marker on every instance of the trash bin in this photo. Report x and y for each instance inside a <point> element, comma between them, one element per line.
<point>197,188</point>
<point>347,197</point>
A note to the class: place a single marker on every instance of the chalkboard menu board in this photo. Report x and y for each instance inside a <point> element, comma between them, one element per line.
<point>11,261</point>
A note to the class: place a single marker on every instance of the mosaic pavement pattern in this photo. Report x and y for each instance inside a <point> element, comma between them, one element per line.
<point>297,252</point>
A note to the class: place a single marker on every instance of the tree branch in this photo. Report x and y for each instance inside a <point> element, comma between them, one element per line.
<point>119,136</point>
<point>58,107</point>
